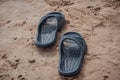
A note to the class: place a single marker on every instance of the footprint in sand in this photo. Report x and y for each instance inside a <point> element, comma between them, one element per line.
<point>93,10</point>
<point>13,64</point>
<point>59,2</point>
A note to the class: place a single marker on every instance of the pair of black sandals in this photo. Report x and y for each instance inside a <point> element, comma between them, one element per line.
<point>72,44</point>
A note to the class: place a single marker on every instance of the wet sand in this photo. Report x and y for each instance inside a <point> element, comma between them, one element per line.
<point>97,20</point>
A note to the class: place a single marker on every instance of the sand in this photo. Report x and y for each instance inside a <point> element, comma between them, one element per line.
<point>97,20</point>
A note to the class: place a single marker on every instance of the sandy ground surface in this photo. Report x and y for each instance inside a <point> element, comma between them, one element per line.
<point>97,20</point>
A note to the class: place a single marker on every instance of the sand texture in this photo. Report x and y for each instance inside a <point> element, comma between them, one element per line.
<point>97,20</point>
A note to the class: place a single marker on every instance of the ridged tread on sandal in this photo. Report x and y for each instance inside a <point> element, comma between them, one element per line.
<point>72,51</point>
<point>48,27</point>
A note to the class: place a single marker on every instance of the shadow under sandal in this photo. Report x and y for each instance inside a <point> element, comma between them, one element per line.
<point>48,27</point>
<point>72,51</point>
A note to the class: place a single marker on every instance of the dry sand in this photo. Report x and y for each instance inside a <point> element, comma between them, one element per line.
<point>97,20</point>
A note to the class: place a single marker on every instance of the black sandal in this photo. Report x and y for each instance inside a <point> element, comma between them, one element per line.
<point>48,27</point>
<point>72,51</point>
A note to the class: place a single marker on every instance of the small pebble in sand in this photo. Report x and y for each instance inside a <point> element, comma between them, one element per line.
<point>89,6</point>
<point>67,22</point>
<point>105,77</point>
<point>15,38</point>
<point>8,21</point>
<point>24,22</point>
<point>31,38</point>
<point>32,61</point>
<point>17,60</point>
<point>1,76</point>
<point>27,40</point>
<point>4,56</point>
<point>12,78</point>
<point>97,9</point>
<point>109,72</point>
<point>30,29</point>
<point>95,14</point>
<point>23,78</point>
<point>19,76</point>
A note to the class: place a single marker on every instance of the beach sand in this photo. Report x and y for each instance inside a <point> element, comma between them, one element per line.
<point>98,21</point>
